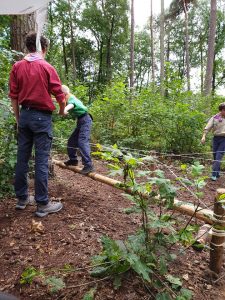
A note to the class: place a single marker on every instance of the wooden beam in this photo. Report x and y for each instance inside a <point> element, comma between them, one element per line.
<point>185,208</point>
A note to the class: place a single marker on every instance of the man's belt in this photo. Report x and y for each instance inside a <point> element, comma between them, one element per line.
<point>49,112</point>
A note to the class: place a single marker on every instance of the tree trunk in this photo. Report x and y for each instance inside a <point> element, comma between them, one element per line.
<point>211,50</point>
<point>132,47</point>
<point>201,58</point>
<point>72,42</point>
<point>21,25</point>
<point>162,34</point>
<point>100,69</point>
<point>152,45</point>
<point>64,49</point>
<point>108,55</point>
<point>187,54</point>
<point>167,60</point>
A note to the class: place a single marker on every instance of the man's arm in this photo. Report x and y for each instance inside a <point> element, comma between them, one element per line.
<point>16,110</point>
<point>62,106</point>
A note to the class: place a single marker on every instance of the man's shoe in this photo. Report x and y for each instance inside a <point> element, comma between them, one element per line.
<point>213,178</point>
<point>71,162</point>
<point>21,204</point>
<point>87,169</point>
<point>51,207</point>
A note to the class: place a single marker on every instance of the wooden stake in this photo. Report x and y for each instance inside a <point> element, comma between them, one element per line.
<point>189,209</point>
<point>218,235</point>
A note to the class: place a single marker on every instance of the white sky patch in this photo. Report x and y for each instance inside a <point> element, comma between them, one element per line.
<point>142,10</point>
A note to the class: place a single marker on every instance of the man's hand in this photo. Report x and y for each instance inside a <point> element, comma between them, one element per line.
<point>203,139</point>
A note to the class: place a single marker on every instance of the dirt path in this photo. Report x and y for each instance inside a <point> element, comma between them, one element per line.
<point>72,236</point>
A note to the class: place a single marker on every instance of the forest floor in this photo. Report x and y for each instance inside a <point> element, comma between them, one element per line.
<point>72,237</point>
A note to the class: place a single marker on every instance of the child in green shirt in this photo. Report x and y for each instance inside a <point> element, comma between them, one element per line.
<point>80,137</point>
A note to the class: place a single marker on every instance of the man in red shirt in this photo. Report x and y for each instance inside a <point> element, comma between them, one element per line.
<point>32,81</point>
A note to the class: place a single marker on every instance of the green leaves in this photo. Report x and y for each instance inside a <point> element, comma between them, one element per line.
<point>90,294</point>
<point>28,275</point>
<point>175,281</point>
<point>138,266</point>
<point>55,284</point>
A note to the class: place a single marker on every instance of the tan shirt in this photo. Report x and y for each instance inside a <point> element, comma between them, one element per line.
<point>217,125</point>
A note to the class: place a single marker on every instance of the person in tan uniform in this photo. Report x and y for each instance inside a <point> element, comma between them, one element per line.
<point>216,124</point>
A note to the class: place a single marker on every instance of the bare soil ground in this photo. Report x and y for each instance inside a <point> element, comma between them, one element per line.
<point>72,236</point>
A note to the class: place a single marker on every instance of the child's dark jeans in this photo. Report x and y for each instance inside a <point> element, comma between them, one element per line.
<point>80,139</point>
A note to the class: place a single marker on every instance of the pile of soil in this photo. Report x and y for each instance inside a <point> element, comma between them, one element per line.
<point>72,237</point>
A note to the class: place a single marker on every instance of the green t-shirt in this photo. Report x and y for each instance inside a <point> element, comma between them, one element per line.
<point>79,108</point>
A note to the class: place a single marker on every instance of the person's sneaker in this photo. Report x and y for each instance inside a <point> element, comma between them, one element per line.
<point>51,207</point>
<point>21,204</point>
<point>71,162</point>
<point>213,178</point>
<point>87,169</point>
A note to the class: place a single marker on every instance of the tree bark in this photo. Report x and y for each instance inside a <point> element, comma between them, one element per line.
<point>162,34</point>
<point>64,49</point>
<point>108,55</point>
<point>72,41</point>
<point>187,53</point>
<point>21,25</point>
<point>132,47</point>
<point>152,44</point>
<point>211,49</point>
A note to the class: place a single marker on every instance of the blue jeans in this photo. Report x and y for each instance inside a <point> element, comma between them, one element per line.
<point>35,128</point>
<point>218,152</point>
<point>80,139</point>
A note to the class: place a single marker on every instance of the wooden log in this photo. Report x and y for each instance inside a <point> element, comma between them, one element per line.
<point>218,235</point>
<point>189,209</point>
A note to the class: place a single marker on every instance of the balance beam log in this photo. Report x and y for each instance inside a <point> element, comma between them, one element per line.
<point>185,208</point>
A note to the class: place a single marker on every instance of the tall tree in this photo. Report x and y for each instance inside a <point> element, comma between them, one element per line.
<point>132,46</point>
<point>162,59</point>
<point>211,49</point>
<point>187,55</point>
<point>72,39</point>
<point>108,23</point>
<point>152,43</point>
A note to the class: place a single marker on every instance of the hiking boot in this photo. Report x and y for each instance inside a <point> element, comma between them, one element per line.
<point>71,162</point>
<point>21,204</point>
<point>213,178</point>
<point>87,169</point>
<point>51,207</point>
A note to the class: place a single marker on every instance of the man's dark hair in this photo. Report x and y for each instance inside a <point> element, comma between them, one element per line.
<point>31,42</point>
<point>222,106</point>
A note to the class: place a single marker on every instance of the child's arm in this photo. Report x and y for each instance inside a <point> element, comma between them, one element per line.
<point>67,108</point>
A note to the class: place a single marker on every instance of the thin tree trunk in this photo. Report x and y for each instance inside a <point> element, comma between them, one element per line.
<point>162,34</point>
<point>167,60</point>
<point>214,76</point>
<point>64,50</point>
<point>201,58</point>
<point>187,54</point>
<point>100,62</point>
<point>132,47</point>
<point>72,41</point>
<point>108,55</point>
<point>152,44</point>
<point>211,50</point>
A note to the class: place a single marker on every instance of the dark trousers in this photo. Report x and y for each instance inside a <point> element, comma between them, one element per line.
<point>218,152</point>
<point>35,129</point>
<point>80,138</point>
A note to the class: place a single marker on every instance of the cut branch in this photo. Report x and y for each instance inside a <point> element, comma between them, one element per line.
<point>189,209</point>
